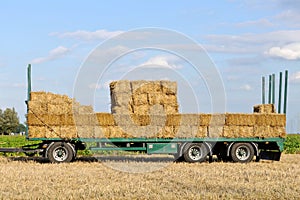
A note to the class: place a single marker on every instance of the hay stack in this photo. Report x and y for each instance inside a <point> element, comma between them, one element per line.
<point>137,97</point>
<point>264,108</point>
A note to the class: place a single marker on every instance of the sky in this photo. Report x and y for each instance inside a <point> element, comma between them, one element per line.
<point>243,40</point>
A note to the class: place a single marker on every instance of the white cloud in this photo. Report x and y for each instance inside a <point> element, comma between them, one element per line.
<point>295,77</point>
<point>171,62</point>
<point>288,52</point>
<point>251,43</point>
<point>56,53</point>
<point>246,87</point>
<point>88,35</point>
<point>256,23</point>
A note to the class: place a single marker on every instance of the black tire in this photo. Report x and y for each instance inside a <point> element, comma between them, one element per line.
<point>178,158</point>
<point>60,152</point>
<point>195,152</point>
<point>242,152</point>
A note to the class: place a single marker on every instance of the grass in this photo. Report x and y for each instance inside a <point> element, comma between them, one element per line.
<point>98,179</point>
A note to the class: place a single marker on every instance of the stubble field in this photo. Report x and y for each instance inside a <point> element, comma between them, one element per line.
<point>149,178</point>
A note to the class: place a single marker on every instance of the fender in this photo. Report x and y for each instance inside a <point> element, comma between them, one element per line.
<point>209,147</point>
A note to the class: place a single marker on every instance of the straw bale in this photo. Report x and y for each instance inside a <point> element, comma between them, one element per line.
<point>170,109</point>
<point>67,120</point>
<point>59,109</point>
<point>215,131</point>
<point>189,120</point>
<point>202,131</point>
<point>240,119</point>
<point>185,131</point>
<point>166,132</point>
<point>122,109</point>
<point>264,108</point>
<point>84,110</point>
<point>105,119</point>
<point>116,132</point>
<point>217,120</point>
<point>53,132</point>
<point>205,119</point>
<point>120,86</point>
<point>37,107</point>
<point>36,120</point>
<point>168,99</point>
<point>86,120</point>
<point>58,99</point>
<point>38,96</point>
<point>37,131</point>
<point>101,131</point>
<point>238,131</point>
<point>173,120</point>
<point>280,130</point>
<point>141,110</point>
<point>140,99</point>
<point>270,119</point>
<point>263,131</point>
<point>86,131</point>
<point>139,87</point>
<point>121,99</point>
<point>169,87</point>
<point>155,98</point>
<point>140,120</point>
<point>53,120</point>
<point>69,132</point>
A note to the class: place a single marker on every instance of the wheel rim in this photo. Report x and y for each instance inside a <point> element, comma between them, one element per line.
<point>242,153</point>
<point>195,153</point>
<point>60,154</point>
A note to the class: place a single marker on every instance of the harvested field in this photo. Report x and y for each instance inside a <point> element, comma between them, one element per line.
<point>99,179</point>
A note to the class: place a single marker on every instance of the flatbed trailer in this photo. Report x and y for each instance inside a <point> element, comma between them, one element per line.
<point>196,149</point>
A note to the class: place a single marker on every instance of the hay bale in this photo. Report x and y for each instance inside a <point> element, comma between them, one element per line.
<point>139,87</point>
<point>140,120</point>
<point>121,99</point>
<point>279,130</point>
<point>116,132</point>
<point>38,96</point>
<point>173,120</point>
<point>169,87</point>
<point>141,110</point>
<point>37,107</point>
<point>59,109</point>
<point>58,99</point>
<point>215,131</point>
<point>263,131</point>
<point>53,132</point>
<point>86,131</point>
<point>101,131</point>
<point>217,120</point>
<point>67,120</point>
<point>202,131</point>
<point>168,99</point>
<point>170,109</point>
<point>185,131</point>
<point>122,110</point>
<point>69,132</point>
<point>166,132</point>
<point>264,108</point>
<point>189,120</point>
<point>155,98</point>
<point>105,119</point>
<point>204,119</point>
<point>270,119</point>
<point>37,131</point>
<point>120,86</point>
<point>238,131</point>
<point>36,120</point>
<point>140,99</point>
<point>240,119</point>
<point>54,120</point>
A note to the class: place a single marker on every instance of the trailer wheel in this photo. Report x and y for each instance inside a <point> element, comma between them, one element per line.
<point>195,152</point>
<point>60,152</point>
<point>242,152</point>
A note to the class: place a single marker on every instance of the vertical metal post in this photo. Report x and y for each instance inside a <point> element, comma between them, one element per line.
<point>263,91</point>
<point>279,95</point>
<point>273,88</point>
<point>28,81</point>
<point>285,91</point>
<point>270,86</point>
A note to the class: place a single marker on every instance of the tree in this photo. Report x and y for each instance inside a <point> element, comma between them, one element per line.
<point>9,121</point>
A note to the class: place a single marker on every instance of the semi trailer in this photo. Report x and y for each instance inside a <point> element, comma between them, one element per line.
<point>241,147</point>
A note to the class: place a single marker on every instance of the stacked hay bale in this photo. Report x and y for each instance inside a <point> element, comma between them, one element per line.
<point>264,108</point>
<point>137,97</point>
<point>55,116</point>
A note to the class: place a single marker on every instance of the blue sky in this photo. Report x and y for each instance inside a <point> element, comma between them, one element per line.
<point>244,39</point>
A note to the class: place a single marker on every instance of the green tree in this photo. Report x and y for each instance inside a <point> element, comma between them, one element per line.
<point>9,121</point>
